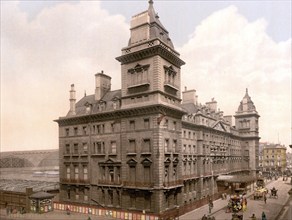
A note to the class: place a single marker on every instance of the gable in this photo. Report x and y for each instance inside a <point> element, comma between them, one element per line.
<point>219,126</point>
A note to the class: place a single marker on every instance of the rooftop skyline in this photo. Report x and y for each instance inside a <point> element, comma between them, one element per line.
<point>228,46</point>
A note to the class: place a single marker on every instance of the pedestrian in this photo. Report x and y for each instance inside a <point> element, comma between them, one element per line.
<point>264,216</point>
<point>68,210</point>
<point>253,217</point>
<point>210,205</point>
<point>204,217</point>
<point>265,198</point>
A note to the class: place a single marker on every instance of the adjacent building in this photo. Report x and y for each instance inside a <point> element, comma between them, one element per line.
<point>150,146</point>
<point>274,158</point>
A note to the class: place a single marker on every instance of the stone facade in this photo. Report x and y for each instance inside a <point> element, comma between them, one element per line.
<point>274,158</point>
<point>150,146</point>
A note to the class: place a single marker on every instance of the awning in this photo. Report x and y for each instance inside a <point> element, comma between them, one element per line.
<point>236,178</point>
<point>41,195</point>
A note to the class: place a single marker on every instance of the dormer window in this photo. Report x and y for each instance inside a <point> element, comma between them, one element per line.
<point>88,107</point>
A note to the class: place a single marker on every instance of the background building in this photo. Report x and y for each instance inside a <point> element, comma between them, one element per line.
<point>149,146</point>
<point>274,159</point>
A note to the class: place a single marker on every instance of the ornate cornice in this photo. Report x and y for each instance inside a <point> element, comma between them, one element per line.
<point>120,113</point>
<point>160,50</point>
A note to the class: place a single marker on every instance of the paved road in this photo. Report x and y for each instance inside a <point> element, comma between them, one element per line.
<point>272,208</point>
<point>275,209</point>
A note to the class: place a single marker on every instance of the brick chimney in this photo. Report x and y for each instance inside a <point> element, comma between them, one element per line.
<point>72,101</point>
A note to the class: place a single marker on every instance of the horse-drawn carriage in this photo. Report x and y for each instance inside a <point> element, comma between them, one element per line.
<point>259,193</point>
<point>274,193</point>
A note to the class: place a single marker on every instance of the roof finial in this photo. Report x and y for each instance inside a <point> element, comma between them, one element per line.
<point>246,90</point>
<point>150,2</point>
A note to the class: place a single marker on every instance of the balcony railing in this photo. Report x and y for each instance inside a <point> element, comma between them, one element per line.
<point>108,182</point>
<point>79,181</point>
<point>138,184</point>
<point>173,183</point>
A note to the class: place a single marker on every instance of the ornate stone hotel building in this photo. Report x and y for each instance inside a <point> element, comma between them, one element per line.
<point>150,146</point>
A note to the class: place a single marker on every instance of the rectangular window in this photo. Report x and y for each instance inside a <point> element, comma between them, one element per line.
<point>185,148</point>
<point>113,127</point>
<point>76,196</point>
<point>76,172</point>
<point>102,171</point>
<point>118,171</point>
<point>67,149</point>
<point>68,172</point>
<point>174,125</point>
<point>166,173</point>
<point>132,147</point>
<point>132,125</point>
<point>85,148</point>
<point>147,174</point>
<point>132,174</point>
<point>75,131</point>
<point>67,132</point>
<point>75,150</point>
<point>85,173</point>
<point>166,123</point>
<point>113,148</point>
<point>98,148</point>
<point>166,145</point>
<point>146,145</point>
<point>111,174</point>
<point>84,130</point>
<point>111,197</point>
<point>146,123</point>
<point>85,197</point>
<point>174,145</point>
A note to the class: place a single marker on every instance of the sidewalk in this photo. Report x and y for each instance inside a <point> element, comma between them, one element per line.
<point>219,205</point>
<point>55,215</point>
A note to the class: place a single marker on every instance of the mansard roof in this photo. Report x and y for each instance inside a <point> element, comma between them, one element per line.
<point>89,101</point>
<point>246,105</point>
<point>157,30</point>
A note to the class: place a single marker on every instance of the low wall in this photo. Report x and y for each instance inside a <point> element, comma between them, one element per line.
<point>132,215</point>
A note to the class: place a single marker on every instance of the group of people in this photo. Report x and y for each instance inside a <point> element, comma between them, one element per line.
<point>237,203</point>
<point>264,217</point>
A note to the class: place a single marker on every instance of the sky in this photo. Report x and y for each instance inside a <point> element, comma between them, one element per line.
<point>228,46</point>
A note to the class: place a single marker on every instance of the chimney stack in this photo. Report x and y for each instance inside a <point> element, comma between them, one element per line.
<point>72,101</point>
<point>212,105</point>
<point>189,96</point>
<point>102,85</point>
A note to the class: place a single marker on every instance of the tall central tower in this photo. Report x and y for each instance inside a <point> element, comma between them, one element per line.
<point>151,93</point>
<point>150,65</point>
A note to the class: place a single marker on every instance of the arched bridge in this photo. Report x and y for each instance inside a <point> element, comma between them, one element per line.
<point>37,158</point>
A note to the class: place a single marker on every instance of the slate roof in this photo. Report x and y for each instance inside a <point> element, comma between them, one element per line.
<point>108,99</point>
<point>41,195</point>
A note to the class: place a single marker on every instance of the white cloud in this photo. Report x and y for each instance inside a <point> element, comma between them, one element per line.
<point>69,43</point>
<point>227,53</point>
<point>41,57</point>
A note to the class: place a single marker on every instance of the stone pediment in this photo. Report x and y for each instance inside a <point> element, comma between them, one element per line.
<point>132,162</point>
<point>219,126</point>
<point>146,162</point>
